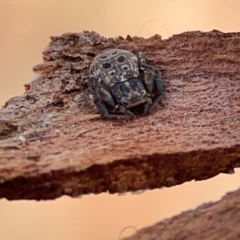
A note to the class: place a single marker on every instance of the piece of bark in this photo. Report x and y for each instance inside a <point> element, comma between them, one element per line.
<point>218,220</point>
<point>53,143</point>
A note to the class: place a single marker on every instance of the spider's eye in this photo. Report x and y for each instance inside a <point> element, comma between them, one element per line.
<point>121,59</point>
<point>106,65</point>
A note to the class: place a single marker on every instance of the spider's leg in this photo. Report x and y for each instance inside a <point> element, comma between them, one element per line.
<point>148,81</point>
<point>105,114</point>
<point>159,89</point>
<point>127,112</point>
<point>154,86</point>
<point>147,105</point>
<point>155,103</point>
<point>103,99</point>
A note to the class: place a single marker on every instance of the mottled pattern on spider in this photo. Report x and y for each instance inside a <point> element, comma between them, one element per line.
<point>123,85</point>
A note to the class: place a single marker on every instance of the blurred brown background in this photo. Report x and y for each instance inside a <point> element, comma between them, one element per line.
<point>25,27</point>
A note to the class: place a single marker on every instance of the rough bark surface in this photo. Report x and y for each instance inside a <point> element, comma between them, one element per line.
<point>218,220</point>
<point>53,143</point>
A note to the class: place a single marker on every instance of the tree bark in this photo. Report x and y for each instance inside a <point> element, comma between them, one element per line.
<point>53,143</point>
<point>219,220</point>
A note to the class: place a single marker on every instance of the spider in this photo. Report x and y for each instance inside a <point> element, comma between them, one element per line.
<point>123,85</point>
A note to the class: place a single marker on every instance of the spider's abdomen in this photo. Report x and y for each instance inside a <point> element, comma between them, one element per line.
<point>113,66</point>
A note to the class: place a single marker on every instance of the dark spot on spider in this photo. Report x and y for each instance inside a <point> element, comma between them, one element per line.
<point>121,59</point>
<point>126,89</point>
<point>106,65</point>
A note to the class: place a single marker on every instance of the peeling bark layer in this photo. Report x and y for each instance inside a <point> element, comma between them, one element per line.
<point>218,220</point>
<point>53,143</point>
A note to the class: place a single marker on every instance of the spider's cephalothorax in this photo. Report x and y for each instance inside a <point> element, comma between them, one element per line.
<point>123,85</point>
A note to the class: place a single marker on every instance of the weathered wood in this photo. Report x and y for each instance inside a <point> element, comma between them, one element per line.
<point>53,143</point>
<point>218,220</point>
